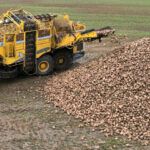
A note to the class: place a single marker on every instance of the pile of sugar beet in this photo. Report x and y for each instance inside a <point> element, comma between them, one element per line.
<point>110,92</point>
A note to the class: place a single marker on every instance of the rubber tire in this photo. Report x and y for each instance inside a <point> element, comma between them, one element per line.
<point>7,74</point>
<point>50,60</point>
<point>68,59</point>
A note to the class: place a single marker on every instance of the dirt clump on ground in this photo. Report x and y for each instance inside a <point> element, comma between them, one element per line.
<point>111,92</point>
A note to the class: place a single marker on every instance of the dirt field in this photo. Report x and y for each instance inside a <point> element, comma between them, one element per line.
<point>27,122</point>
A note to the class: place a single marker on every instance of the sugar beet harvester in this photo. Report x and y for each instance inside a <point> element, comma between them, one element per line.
<point>39,44</point>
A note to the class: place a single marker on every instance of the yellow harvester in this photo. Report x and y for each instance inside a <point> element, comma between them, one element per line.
<point>39,44</point>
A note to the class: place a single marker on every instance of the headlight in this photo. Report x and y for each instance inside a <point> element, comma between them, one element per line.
<point>1,21</point>
<point>7,20</point>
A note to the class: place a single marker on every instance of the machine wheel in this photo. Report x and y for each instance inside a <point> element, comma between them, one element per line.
<point>6,73</point>
<point>62,60</point>
<point>45,65</point>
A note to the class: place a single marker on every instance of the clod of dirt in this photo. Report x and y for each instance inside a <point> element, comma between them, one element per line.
<point>111,92</point>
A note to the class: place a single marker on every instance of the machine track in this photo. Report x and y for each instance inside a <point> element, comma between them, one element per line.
<point>30,52</point>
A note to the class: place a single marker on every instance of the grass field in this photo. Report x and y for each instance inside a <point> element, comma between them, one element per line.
<point>131,17</point>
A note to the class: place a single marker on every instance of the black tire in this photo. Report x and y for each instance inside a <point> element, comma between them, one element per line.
<point>67,60</point>
<point>47,59</point>
<point>7,73</point>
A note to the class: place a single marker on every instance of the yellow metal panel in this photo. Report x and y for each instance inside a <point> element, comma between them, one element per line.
<point>19,46</point>
<point>42,53</point>
<point>43,46</point>
<point>43,41</point>
<point>9,46</point>
<point>39,47</point>
<point>9,60</point>
<point>89,35</point>
<point>68,40</point>
<point>2,53</point>
<point>75,49</point>
<point>13,60</point>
